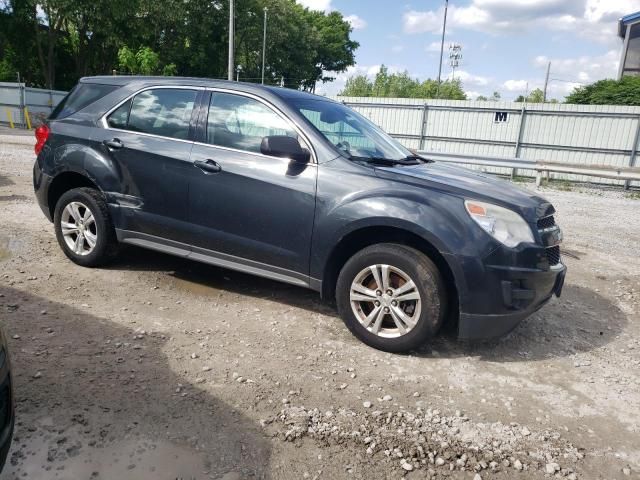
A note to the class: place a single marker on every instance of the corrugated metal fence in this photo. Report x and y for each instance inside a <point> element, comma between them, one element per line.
<point>15,97</point>
<point>584,134</point>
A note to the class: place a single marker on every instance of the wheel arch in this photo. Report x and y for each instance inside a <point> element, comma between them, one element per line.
<point>371,235</point>
<point>65,181</point>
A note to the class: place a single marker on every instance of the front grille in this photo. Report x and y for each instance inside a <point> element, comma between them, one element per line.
<point>553,255</point>
<point>546,222</point>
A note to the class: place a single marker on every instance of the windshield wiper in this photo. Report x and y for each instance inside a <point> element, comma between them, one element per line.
<point>420,158</point>
<point>410,160</point>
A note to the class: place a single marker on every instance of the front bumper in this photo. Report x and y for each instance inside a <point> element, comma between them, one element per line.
<point>523,293</point>
<point>498,290</point>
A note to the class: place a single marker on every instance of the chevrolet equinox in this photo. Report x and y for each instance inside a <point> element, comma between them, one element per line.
<point>297,188</point>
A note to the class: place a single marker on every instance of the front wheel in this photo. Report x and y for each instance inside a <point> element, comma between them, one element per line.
<point>392,297</point>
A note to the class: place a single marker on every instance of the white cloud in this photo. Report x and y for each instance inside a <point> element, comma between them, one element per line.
<point>583,69</point>
<point>322,5</point>
<point>420,22</point>
<point>516,85</point>
<point>470,79</point>
<point>472,94</point>
<point>433,47</point>
<point>356,22</point>
<point>593,19</point>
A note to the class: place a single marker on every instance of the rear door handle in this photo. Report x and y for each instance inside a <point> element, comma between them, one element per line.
<point>114,143</point>
<point>208,166</point>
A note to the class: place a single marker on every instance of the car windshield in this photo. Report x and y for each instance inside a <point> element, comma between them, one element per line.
<point>349,131</point>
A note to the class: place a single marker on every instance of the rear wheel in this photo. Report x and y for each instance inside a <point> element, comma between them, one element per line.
<point>83,227</point>
<point>392,297</point>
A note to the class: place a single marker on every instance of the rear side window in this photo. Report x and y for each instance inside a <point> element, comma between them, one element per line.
<point>161,111</point>
<point>82,95</point>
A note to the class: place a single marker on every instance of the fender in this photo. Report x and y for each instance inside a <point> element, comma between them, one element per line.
<point>426,216</point>
<point>82,157</point>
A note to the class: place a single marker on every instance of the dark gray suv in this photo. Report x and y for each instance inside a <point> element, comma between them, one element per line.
<point>297,188</point>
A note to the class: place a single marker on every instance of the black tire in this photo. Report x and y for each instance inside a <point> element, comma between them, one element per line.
<point>106,246</point>
<point>4,451</point>
<point>429,284</point>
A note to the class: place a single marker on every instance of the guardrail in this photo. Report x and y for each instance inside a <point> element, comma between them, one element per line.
<point>540,166</point>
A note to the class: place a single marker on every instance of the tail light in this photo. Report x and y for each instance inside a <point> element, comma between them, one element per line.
<point>42,134</point>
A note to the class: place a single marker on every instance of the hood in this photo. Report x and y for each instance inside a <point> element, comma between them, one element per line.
<point>470,184</point>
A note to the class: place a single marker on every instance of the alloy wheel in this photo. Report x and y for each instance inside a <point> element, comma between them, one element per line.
<point>385,300</point>
<point>79,228</point>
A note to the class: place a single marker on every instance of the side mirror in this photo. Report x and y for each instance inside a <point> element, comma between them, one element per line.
<point>284,147</point>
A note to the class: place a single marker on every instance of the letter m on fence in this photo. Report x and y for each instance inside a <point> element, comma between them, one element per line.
<point>501,117</point>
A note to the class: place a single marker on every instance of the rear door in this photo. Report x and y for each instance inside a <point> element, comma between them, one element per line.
<point>148,137</point>
<point>256,208</point>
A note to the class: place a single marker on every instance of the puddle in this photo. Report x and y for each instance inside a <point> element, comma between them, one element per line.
<point>142,459</point>
<point>9,246</point>
<point>198,287</point>
<point>4,249</point>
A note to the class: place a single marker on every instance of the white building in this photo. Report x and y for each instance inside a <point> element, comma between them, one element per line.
<point>629,31</point>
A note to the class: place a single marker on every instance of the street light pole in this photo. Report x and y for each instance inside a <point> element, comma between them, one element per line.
<point>264,42</point>
<point>444,29</point>
<point>231,41</point>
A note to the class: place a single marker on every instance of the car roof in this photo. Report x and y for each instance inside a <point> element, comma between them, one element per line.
<point>284,93</point>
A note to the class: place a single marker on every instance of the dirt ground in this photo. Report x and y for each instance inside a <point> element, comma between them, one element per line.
<point>160,368</point>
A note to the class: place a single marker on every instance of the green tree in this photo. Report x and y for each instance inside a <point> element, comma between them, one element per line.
<point>358,86</point>
<point>401,85</point>
<point>54,42</point>
<point>608,92</point>
<point>144,62</point>
<point>481,98</point>
<point>535,96</point>
<point>496,96</point>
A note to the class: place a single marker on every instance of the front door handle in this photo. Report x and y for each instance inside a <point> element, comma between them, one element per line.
<point>208,166</point>
<point>114,143</point>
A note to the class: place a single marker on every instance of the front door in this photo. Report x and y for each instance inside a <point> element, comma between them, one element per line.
<point>246,205</point>
<point>147,138</point>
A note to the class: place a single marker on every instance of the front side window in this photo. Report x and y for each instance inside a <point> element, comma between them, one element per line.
<point>162,111</point>
<point>241,122</point>
<point>349,131</point>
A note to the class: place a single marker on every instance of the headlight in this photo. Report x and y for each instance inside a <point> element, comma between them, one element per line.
<point>503,224</point>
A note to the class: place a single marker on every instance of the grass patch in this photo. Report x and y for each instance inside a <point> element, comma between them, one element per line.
<point>562,185</point>
<point>633,195</point>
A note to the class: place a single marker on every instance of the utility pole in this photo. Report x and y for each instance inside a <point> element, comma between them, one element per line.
<point>264,42</point>
<point>444,29</point>
<point>546,83</point>
<point>231,41</point>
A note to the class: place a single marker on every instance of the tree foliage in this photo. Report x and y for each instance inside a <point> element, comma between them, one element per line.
<point>143,62</point>
<point>54,42</point>
<point>608,92</point>
<point>401,85</point>
<point>535,96</point>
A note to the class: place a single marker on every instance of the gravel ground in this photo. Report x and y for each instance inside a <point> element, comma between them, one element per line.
<point>160,368</point>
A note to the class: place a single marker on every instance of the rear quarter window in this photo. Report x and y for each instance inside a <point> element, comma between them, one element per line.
<point>82,95</point>
<point>165,112</point>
